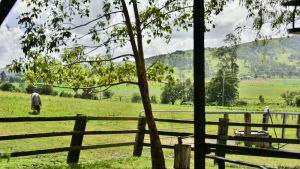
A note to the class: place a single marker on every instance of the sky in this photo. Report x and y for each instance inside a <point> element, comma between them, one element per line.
<point>10,34</point>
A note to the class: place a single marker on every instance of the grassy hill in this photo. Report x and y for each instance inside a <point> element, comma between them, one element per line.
<point>276,58</point>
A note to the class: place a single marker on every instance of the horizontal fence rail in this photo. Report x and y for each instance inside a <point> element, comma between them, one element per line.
<point>66,133</point>
<point>77,135</point>
<point>64,149</point>
<point>224,111</point>
<point>64,118</point>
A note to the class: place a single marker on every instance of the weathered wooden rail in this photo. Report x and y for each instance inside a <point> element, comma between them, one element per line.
<point>77,135</point>
<point>220,149</point>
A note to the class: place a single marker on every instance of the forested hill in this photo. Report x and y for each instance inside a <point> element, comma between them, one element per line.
<point>279,58</point>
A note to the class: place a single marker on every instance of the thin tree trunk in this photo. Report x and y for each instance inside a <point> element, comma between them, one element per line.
<point>158,161</point>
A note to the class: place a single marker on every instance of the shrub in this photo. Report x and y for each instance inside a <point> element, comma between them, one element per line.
<point>153,99</point>
<point>189,103</point>
<point>55,93</point>
<point>30,88</point>
<point>261,99</point>
<point>297,100</point>
<point>65,94</point>
<point>107,94</point>
<point>7,87</point>
<point>241,103</point>
<point>136,98</point>
<point>77,95</point>
<point>288,97</point>
<point>89,94</point>
<point>46,90</point>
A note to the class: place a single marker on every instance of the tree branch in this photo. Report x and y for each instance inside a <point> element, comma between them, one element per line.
<point>98,61</point>
<point>150,22</point>
<point>99,30</point>
<point>100,17</point>
<point>91,87</point>
<point>164,6</point>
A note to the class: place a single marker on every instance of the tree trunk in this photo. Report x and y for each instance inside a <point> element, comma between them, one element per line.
<point>158,161</point>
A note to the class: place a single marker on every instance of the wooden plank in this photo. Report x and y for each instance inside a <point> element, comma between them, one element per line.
<point>64,149</point>
<point>80,124</point>
<point>256,125</point>
<point>65,133</point>
<point>63,118</point>
<point>238,162</point>
<point>31,119</point>
<point>174,120</point>
<point>118,118</point>
<point>139,137</point>
<point>254,151</point>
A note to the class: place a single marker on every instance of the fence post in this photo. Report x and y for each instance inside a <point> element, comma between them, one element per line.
<point>80,124</point>
<point>222,139</point>
<point>265,120</point>
<point>298,129</point>
<point>139,137</point>
<point>247,129</point>
<point>182,155</point>
<point>283,122</point>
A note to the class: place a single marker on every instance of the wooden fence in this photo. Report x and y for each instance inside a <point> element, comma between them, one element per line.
<point>77,135</point>
<point>220,148</point>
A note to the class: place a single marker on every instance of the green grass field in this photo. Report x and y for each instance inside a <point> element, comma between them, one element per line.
<point>18,104</point>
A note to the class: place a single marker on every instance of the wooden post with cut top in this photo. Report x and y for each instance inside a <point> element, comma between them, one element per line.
<point>222,139</point>
<point>265,120</point>
<point>182,155</point>
<point>76,141</point>
<point>284,118</point>
<point>247,129</point>
<point>139,137</point>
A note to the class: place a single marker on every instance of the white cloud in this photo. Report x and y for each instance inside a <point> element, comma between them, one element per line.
<point>10,47</point>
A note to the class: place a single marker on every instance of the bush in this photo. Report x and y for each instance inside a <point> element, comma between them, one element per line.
<point>89,94</point>
<point>55,93</point>
<point>189,103</point>
<point>107,94</point>
<point>297,100</point>
<point>30,88</point>
<point>241,103</point>
<point>77,95</point>
<point>7,87</point>
<point>136,98</point>
<point>65,94</point>
<point>289,96</point>
<point>153,99</point>
<point>261,99</point>
<point>46,90</point>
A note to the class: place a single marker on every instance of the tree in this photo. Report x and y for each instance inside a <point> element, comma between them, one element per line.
<point>177,91</point>
<point>107,94</point>
<point>3,76</point>
<point>170,94</point>
<point>112,25</point>
<point>222,88</point>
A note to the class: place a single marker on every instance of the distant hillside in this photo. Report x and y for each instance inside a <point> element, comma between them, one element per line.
<point>279,58</point>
